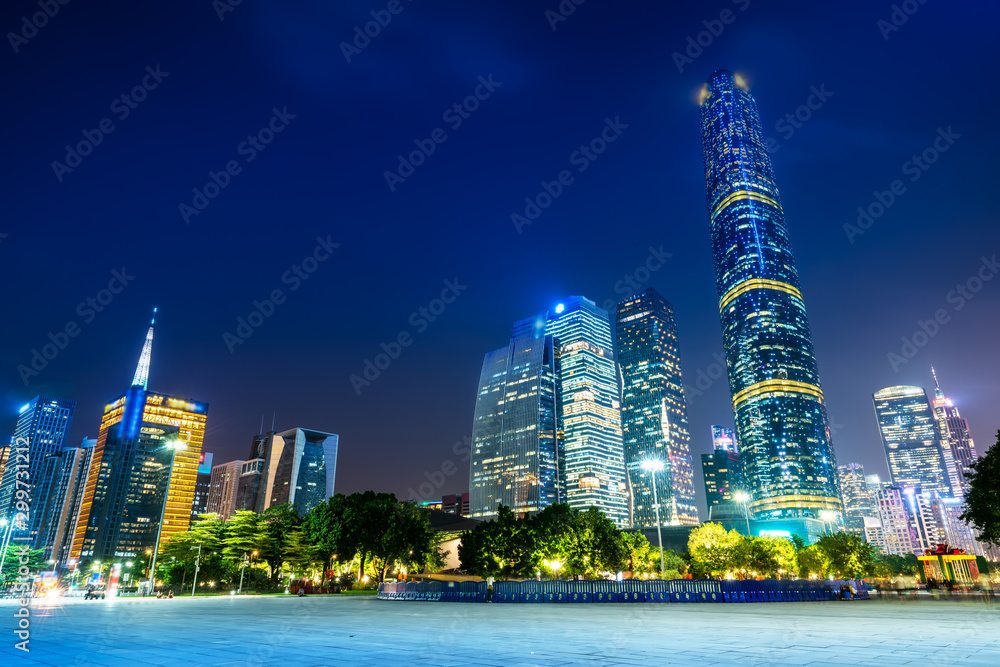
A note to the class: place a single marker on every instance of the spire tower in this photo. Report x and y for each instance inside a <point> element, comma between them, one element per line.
<point>142,370</point>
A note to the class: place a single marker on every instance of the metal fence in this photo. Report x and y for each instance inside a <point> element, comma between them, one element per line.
<point>628,590</point>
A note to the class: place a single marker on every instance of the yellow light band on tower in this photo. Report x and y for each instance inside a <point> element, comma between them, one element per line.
<point>795,502</point>
<point>741,195</point>
<point>754,284</point>
<point>777,386</point>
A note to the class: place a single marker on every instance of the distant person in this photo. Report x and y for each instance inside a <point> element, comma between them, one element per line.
<point>489,589</point>
<point>171,595</point>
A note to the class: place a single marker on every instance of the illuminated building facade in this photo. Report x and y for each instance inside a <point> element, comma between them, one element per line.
<point>911,439</point>
<point>58,500</point>
<point>43,423</point>
<point>857,500</point>
<point>954,430</point>
<point>223,488</point>
<point>724,438</point>
<point>895,532</point>
<point>202,485</point>
<point>248,486</point>
<point>131,466</point>
<point>592,466</point>
<point>516,437</point>
<point>654,411</point>
<point>777,399</point>
<point>299,469</point>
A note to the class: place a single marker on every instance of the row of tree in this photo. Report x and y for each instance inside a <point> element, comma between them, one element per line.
<point>362,536</point>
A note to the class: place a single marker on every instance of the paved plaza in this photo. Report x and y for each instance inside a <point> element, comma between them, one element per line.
<point>352,630</point>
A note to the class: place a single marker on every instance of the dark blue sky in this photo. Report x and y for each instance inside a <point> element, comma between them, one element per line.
<point>342,126</point>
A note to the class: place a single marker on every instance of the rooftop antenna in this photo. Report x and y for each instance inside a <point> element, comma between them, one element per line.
<point>272,420</point>
<point>261,432</point>
<point>936,385</point>
<point>141,377</point>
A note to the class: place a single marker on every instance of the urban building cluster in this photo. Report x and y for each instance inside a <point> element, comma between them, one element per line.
<point>145,476</point>
<point>587,407</point>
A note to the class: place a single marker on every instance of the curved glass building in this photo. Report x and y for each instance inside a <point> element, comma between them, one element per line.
<point>777,399</point>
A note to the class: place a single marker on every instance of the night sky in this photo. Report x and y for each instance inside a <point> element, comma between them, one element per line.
<point>884,92</point>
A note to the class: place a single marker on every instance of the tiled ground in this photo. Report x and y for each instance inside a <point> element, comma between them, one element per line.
<point>363,631</point>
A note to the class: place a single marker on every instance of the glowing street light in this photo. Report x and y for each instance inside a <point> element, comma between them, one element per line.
<point>174,446</point>
<point>652,465</point>
<point>828,516</point>
<point>743,498</point>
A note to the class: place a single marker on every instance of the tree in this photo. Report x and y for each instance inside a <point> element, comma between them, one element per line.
<point>326,528</point>
<point>244,534</point>
<point>277,522</point>
<point>813,561</point>
<point>17,557</point>
<point>850,556</point>
<point>982,502</point>
<point>501,547</point>
<point>642,556</point>
<point>713,550</point>
<point>596,545</point>
<point>300,555</point>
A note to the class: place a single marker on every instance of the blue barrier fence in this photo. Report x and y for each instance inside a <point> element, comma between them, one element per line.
<point>628,590</point>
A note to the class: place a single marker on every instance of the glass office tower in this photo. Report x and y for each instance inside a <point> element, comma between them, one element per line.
<point>954,428</point>
<point>776,394</point>
<point>592,464</point>
<point>130,467</point>
<point>299,468</point>
<point>857,500</point>
<point>515,432</point>
<point>911,440</point>
<point>654,412</point>
<point>42,426</point>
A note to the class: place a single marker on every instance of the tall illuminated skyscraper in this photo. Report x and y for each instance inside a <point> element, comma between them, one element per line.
<point>776,394</point>
<point>515,431</point>
<point>42,427</point>
<point>911,440</point>
<point>654,411</point>
<point>857,500</point>
<point>592,464</point>
<point>954,428</point>
<point>130,468</point>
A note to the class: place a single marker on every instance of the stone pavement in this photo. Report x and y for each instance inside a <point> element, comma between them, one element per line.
<point>352,630</point>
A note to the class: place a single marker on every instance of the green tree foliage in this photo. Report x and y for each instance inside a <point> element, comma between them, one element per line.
<point>16,559</point>
<point>714,552</point>
<point>772,557</point>
<point>850,556</point>
<point>813,562</point>
<point>277,522</point>
<point>982,502</point>
<point>504,547</point>
<point>597,546</point>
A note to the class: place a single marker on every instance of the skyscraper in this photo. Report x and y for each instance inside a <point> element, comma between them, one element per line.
<point>300,467</point>
<point>58,504</point>
<point>133,464</point>
<point>777,399</point>
<point>202,485</point>
<point>955,429</point>
<point>654,411</point>
<point>223,487</point>
<point>895,533</point>
<point>724,438</point>
<point>911,439</point>
<point>515,430</point>
<point>724,477</point>
<point>857,500</point>
<point>592,466</point>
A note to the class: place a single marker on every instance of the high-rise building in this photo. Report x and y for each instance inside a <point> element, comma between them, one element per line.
<point>63,478</point>
<point>223,489</point>
<point>724,438</point>
<point>911,439</point>
<point>249,484</point>
<point>723,473</point>
<point>42,426</point>
<point>777,399</point>
<point>895,533</point>
<point>299,468</point>
<point>654,412</point>
<point>148,441</point>
<point>857,500</point>
<point>455,503</point>
<point>955,429</point>
<point>202,486</point>
<point>515,431</point>
<point>592,466</point>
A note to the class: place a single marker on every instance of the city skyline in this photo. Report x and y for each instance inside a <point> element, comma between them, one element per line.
<point>634,217</point>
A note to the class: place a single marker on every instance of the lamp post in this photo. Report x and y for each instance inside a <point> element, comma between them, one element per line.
<point>243,566</point>
<point>652,465</point>
<point>742,497</point>
<point>197,565</point>
<point>174,446</point>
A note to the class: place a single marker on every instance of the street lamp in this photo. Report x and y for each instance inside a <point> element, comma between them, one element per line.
<point>174,446</point>
<point>243,566</point>
<point>652,465</point>
<point>197,565</point>
<point>743,498</point>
